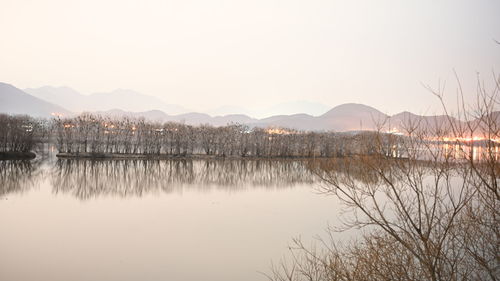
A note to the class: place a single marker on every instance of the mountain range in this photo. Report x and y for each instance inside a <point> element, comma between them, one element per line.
<point>45,101</point>
<point>286,108</point>
<point>16,101</point>
<point>124,99</point>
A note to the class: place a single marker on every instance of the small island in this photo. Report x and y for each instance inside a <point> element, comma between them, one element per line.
<point>18,137</point>
<point>17,155</point>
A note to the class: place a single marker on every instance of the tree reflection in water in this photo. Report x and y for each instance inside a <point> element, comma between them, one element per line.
<point>18,176</point>
<point>86,179</point>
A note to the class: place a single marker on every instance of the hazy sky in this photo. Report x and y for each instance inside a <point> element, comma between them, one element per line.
<point>203,54</point>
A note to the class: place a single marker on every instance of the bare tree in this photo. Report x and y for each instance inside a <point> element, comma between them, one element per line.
<point>19,133</point>
<point>430,214</point>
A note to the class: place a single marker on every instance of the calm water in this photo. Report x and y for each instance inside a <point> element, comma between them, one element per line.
<point>154,220</point>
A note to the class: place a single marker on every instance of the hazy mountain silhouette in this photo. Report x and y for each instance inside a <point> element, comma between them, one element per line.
<point>353,116</point>
<point>287,108</point>
<point>232,118</point>
<point>294,107</point>
<point>192,118</point>
<point>228,110</point>
<point>63,96</point>
<point>126,100</point>
<point>295,121</point>
<point>151,115</point>
<point>405,119</point>
<point>16,101</point>
<point>345,117</point>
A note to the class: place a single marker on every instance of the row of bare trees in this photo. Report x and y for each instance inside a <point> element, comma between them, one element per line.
<point>90,133</point>
<point>429,216</point>
<point>18,133</point>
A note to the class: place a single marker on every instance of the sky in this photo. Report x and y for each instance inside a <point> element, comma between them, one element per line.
<point>204,54</point>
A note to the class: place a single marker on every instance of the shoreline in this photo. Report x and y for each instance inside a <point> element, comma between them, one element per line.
<point>124,156</point>
<point>15,155</point>
<point>120,156</point>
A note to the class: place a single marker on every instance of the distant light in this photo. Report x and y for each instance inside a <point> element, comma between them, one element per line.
<point>277,131</point>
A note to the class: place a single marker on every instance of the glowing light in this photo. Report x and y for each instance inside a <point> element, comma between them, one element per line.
<point>276,131</point>
<point>394,131</point>
<point>466,139</point>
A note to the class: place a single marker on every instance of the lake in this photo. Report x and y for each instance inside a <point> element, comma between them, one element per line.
<point>154,220</point>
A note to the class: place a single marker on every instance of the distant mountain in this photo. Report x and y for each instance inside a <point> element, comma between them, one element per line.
<point>342,118</point>
<point>346,117</point>
<point>151,115</point>
<point>126,100</point>
<point>232,118</point>
<point>295,121</point>
<point>288,108</point>
<point>353,116</point>
<point>405,121</point>
<point>131,101</point>
<point>16,101</point>
<point>192,118</point>
<point>229,110</point>
<point>294,107</point>
<point>63,96</point>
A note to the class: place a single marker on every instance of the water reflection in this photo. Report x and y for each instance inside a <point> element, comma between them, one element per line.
<point>472,152</point>
<point>90,179</point>
<point>18,176</point>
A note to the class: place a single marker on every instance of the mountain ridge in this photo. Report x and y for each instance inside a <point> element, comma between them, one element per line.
<point>344,117</point>
<point>16,101</point>
<point>126,99</point>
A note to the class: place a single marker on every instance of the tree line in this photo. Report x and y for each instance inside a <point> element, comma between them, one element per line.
<point>89,133</point>
<point>18,133</point>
